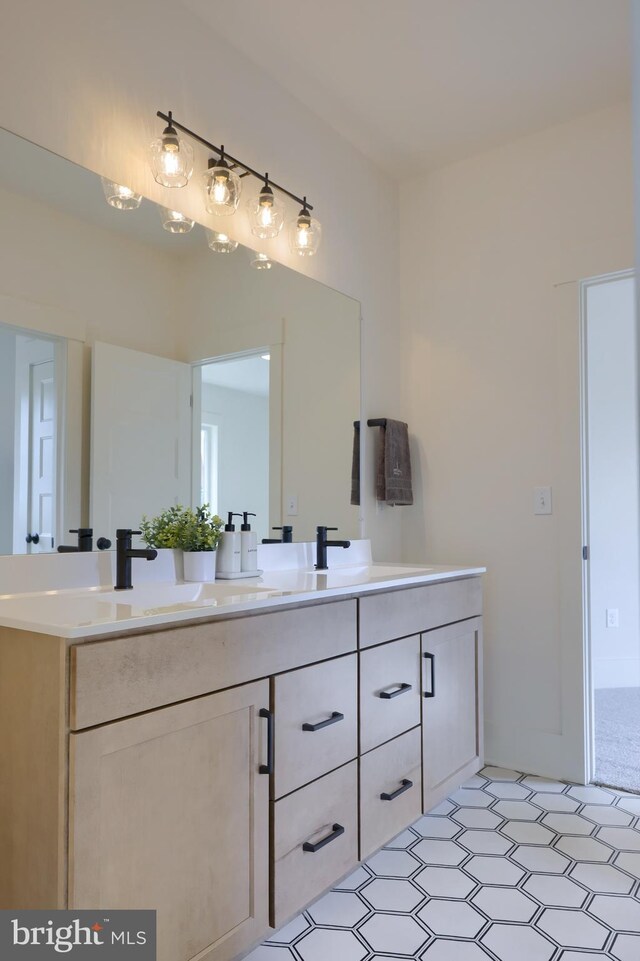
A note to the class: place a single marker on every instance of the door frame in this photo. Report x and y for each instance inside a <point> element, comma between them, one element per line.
<point>589,700</point>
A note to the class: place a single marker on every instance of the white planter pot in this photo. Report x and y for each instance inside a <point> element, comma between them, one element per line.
<point>199,565</point>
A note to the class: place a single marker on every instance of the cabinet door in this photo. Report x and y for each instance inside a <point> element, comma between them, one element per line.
<point>452,730</point>
<point>168,811</point>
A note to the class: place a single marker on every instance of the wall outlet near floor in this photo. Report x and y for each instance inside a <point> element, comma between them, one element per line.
<point>612,617</point>
<point>292,505</point>
<point>542,500</point>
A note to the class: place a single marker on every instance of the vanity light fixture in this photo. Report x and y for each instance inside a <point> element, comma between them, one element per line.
<point>222,183</point>
<point>262,262</point>
<point>175,222</point>
<point>266,215</point>
<point>304,233</point>
<point>220,243</point>
<point>119,196</point>
<point>222,187</point>
<point>171,157</point>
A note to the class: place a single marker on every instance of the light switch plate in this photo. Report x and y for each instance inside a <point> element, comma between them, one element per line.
<point>542,500</point>
<point>292,505</point>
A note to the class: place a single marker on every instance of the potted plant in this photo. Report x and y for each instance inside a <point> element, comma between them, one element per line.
<point>194,531</point>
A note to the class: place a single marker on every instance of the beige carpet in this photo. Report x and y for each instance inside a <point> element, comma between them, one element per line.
<point>617,724</point>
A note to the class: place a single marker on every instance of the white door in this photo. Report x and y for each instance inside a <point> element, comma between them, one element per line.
<point>140,437</point>
<point>42,459</point>
<point>35,450</point>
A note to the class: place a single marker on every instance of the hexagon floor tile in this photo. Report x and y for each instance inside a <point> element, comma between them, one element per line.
<point>511,867</point>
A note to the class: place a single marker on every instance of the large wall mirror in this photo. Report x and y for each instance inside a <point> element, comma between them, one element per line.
<point>140,368</point>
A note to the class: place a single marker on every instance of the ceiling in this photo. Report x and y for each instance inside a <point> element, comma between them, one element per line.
<point>416,84</point>
<point>248,374</point>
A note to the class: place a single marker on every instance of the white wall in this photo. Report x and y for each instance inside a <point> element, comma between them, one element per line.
<point>614,522</point>
<point>243,452</point>
<point>87,83</point>
<point>491,361</point>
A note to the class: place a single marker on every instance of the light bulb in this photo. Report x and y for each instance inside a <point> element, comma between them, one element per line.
<point>220,243</point>
<point>171,158</point>
<point>304,234</point>
<point>175,222</point>
<point>222,188</point>
<point>262,262</point>
<point>266,216</point>
<point>119,196</point>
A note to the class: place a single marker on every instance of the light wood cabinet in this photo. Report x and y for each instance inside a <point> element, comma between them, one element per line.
<point>136,760</point>
<point>316,721</point>
<point>452,731</point>
<point>168,810</point>
<point>389,691</point>
<point>315,833</point>
<point>390,790</point>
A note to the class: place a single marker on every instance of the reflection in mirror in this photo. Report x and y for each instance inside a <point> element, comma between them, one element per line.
<point>29,432</point>
<point>234,432</point>
<point>147,323</point>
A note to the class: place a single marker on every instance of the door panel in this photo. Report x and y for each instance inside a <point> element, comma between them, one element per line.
<point>140,436</point>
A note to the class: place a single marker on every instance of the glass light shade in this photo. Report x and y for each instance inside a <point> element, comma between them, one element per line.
<point>171,160</point>
<point>304,235</point>
<point>175,222</point>
<point>119,196</point>
<point>222,189</point>
<point>262,262</point>
<point>220,243</point>
<point>266,216</point>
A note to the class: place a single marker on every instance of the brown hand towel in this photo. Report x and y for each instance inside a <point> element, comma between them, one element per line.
<point>355,464</point>
<point>393,467</point>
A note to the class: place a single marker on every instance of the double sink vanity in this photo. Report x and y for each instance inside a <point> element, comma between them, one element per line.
<point>225,752</point>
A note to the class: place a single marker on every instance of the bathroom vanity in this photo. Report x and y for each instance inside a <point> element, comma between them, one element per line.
<point>226,765</point>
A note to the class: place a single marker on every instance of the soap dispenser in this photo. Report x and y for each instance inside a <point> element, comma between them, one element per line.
<point>248,545</point>
<point>229,558</point>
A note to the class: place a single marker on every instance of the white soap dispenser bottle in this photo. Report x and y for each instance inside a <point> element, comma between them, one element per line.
<point>248,545</point>
<point>229,558</point>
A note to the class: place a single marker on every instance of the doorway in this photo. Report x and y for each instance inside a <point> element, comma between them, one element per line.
<point>612,526</point>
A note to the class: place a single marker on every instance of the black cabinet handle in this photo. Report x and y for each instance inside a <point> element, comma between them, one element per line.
<point>405,785</point>
<point>335,717</point>
<point>32,538</point>
<point>399,689</point>
<point>268,767</point>
<point>432,667</point>
<point>336,831</point>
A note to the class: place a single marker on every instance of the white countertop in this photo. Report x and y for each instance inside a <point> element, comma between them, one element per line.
<point>88,611</point>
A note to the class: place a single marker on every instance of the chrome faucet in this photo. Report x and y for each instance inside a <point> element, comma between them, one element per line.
<point>124,553</point>
<point>321,546</point>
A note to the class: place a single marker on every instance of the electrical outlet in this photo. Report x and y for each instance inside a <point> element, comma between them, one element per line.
<point>612,617</point>
<point>292,505</point>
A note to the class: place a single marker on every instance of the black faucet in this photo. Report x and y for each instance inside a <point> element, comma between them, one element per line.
<point>85,542</point>
<point>287,536</point>
<point>321,546</point>
<point>124,553</point>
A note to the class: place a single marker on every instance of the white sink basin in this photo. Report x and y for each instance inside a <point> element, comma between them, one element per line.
<point>170,595</point>
<point>372,571</point>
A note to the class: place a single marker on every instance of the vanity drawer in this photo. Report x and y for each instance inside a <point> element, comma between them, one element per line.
<point>114,678</point>
<point>389,691</point>
<point>390,614</point>
<point>390,790</point>
<point>316,721</point>
<point>324,816</point>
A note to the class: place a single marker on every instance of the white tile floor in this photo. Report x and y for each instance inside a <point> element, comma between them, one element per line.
<point>510,868</point>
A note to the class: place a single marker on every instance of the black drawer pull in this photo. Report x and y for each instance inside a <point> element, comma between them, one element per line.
<point>432,664</point>
<point>399,689</point>
<point>336,831</point>
<point>405,785</point>
<point>335,717</point>
<point>268,767</point>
